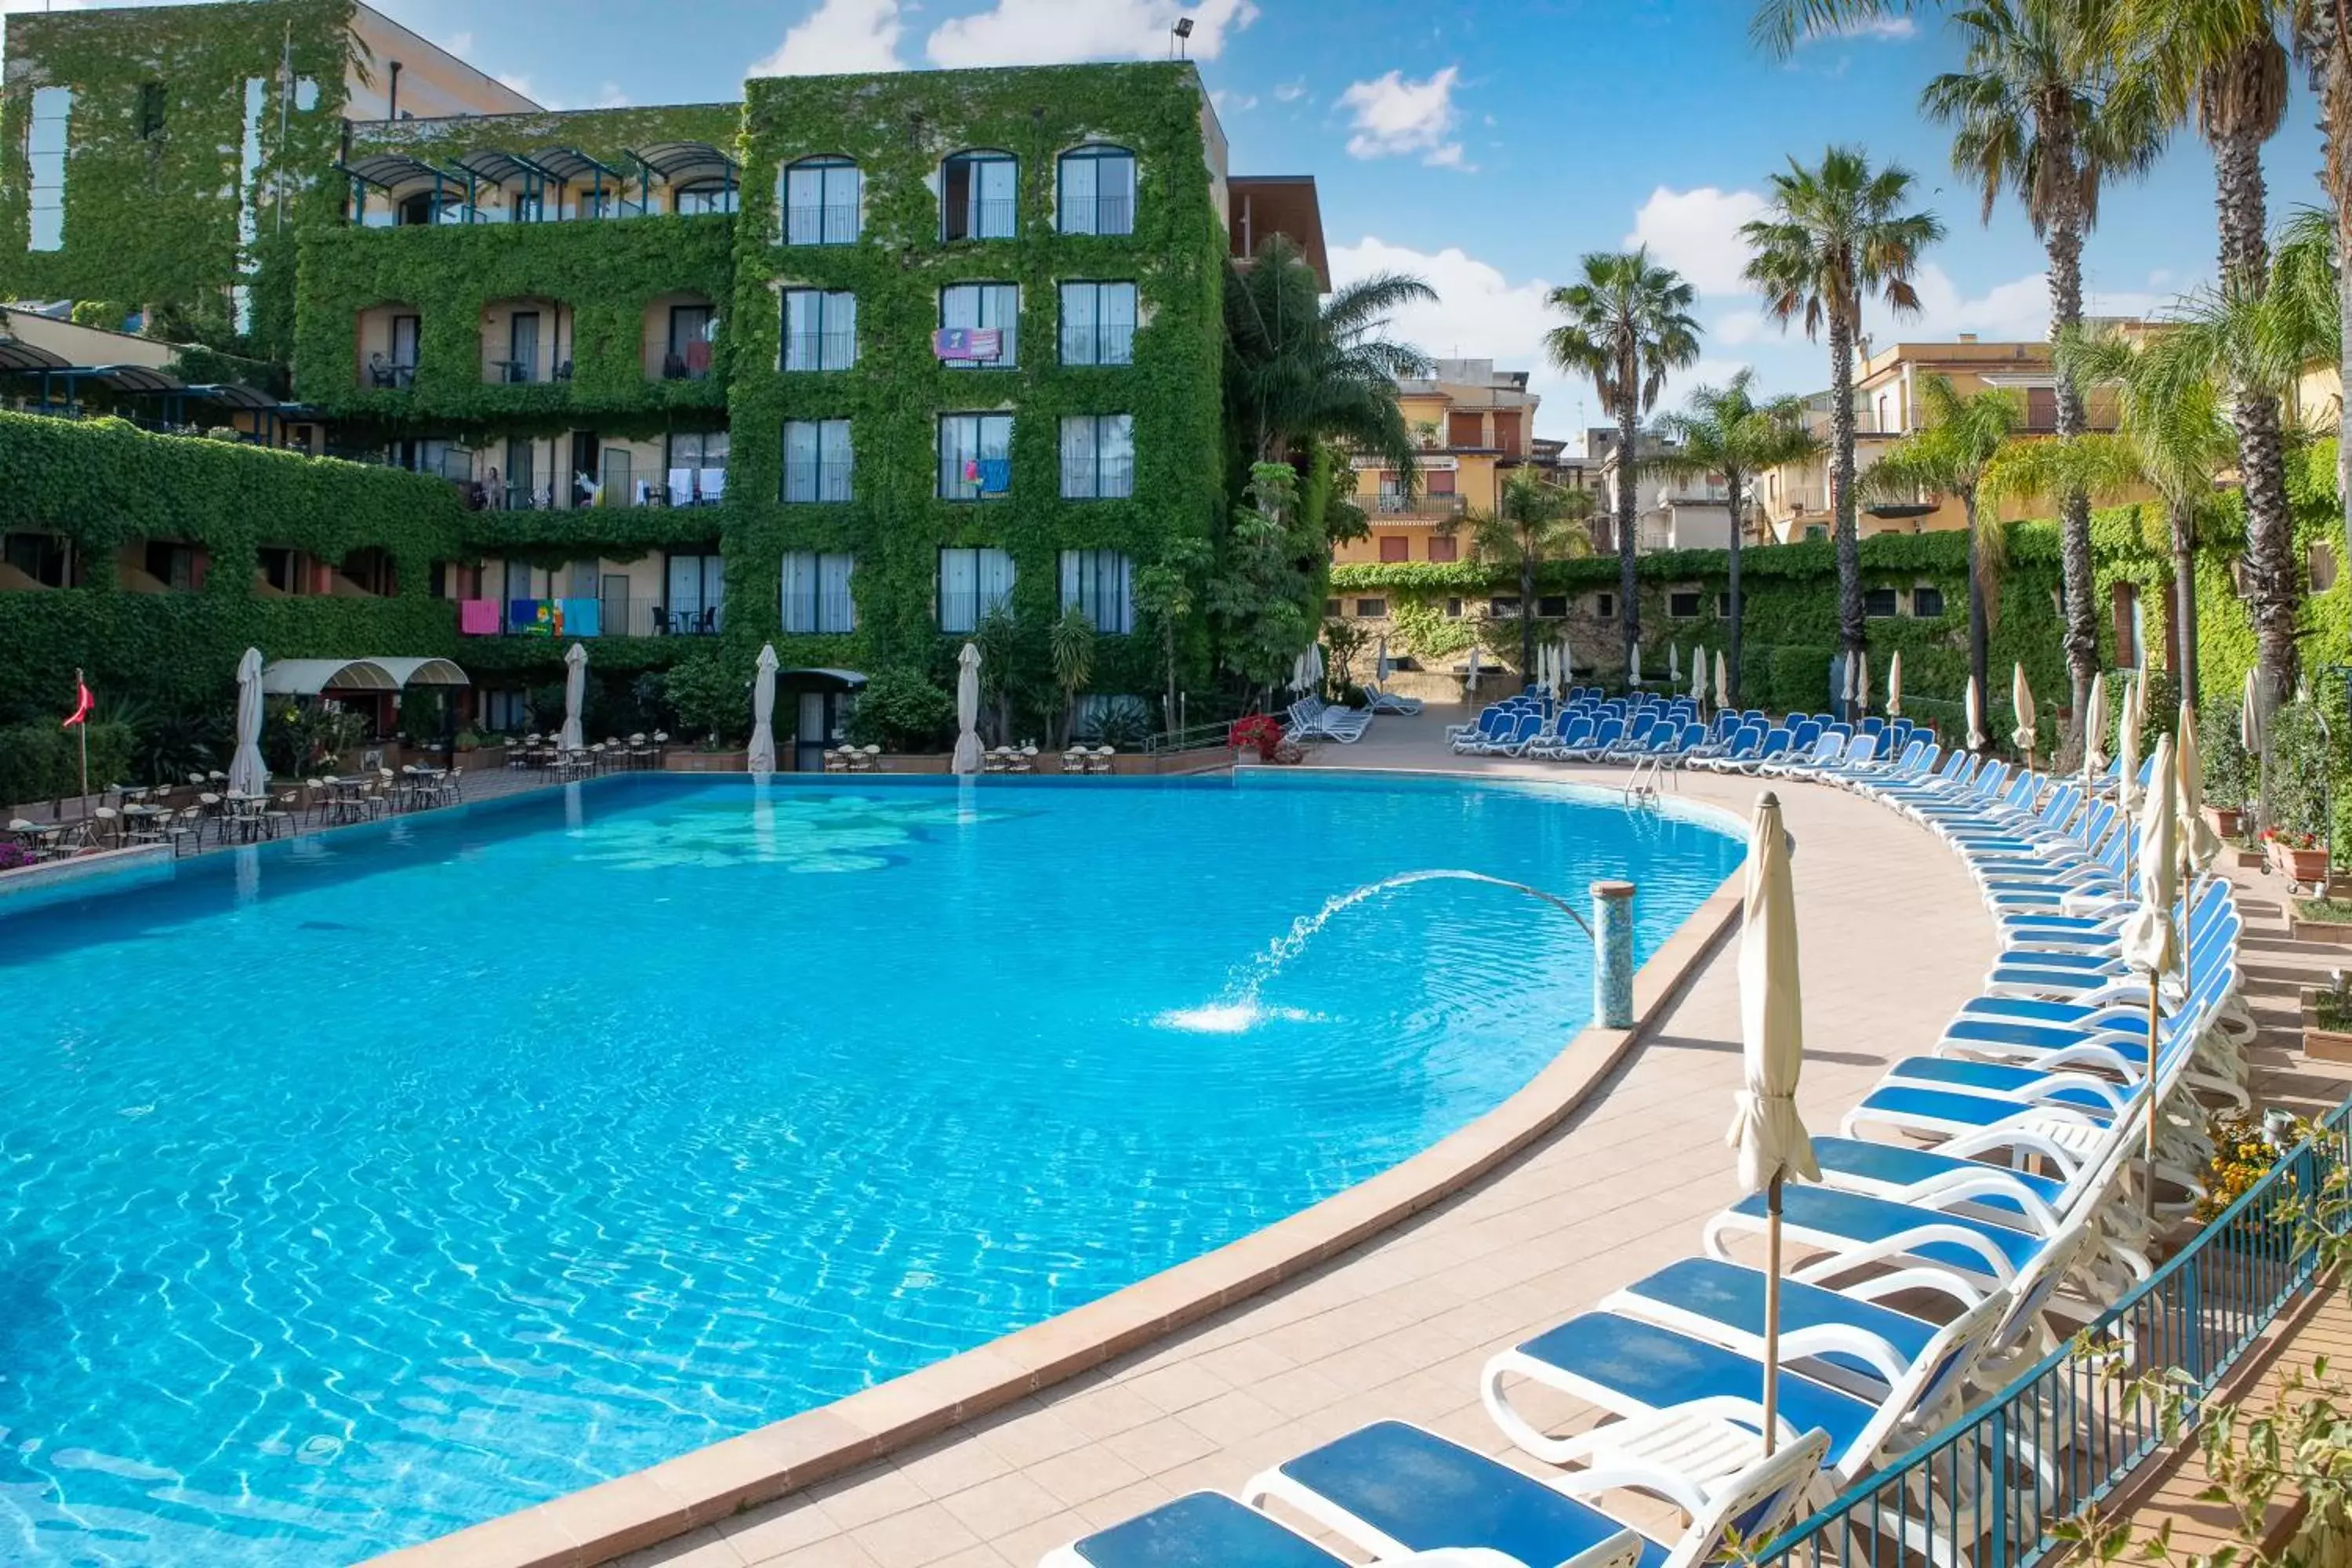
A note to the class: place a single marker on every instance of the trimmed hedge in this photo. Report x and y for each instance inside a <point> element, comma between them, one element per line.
<point>41,760</point>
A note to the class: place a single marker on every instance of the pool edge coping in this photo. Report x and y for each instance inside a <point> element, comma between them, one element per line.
<point>612,1518</point>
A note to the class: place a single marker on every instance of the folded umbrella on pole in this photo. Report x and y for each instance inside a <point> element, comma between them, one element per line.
<point>1895,686</point>
<point>2148,937</point>
<point>1766,1130</point>
<point>1975,715</point>
<point>2020,702</point>
<point>1722,684</point>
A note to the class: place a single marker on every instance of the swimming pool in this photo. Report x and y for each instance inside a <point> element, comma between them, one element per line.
<point>361,1187</point>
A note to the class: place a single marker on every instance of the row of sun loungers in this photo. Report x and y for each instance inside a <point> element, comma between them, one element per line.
<point>1312,718</point>
<point>1985,1199</point>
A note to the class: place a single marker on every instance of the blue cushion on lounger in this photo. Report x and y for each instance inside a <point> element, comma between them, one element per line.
<point>1203,1530</point>
<point>1425,1493</point>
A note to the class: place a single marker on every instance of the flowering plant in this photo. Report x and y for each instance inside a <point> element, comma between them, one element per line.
<point>2243,1156</point>
<point>14,855</point>
<point>1261,731</point>
<point>2290,838</point>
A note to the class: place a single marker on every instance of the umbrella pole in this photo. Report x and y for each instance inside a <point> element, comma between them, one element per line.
<point>2155,1021</point>
<point>1772,1317</point>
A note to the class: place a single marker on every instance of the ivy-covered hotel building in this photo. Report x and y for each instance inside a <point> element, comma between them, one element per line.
<point>842,366</point>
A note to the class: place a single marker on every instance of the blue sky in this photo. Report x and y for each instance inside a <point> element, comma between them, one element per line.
<point>1485,144</point>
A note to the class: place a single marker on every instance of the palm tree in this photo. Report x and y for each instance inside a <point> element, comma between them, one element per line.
<point>2042,106</point>
<point>1629,324</point>
<point>1534,520</point>
<point>1300,369</point>
<point>2223,62</point>
<point>1950,454</point>
<point>2172,437</point>
<point>1837,235</point>
<point>2251,345</point>
<point>1725,430</point>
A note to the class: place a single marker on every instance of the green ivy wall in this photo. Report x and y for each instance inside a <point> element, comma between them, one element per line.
<point>154,219</point>
<point>103,483</point>
<point>898,128</point>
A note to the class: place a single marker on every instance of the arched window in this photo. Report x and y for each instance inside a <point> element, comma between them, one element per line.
<point>1098,191</point>
<point>976,199</point>
<point>820,202</point>
<point>703,197</point>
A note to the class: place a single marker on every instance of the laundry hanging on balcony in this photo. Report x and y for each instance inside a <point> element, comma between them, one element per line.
<point>968,343</point>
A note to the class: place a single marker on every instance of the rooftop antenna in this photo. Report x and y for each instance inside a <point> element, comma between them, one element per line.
<point>1178,34</point>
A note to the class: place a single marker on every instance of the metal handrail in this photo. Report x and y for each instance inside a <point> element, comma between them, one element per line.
<point>1192,738</point>
<point>1990,1488</point>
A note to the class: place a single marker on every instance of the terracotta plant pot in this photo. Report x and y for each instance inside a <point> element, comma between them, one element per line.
<point>2223,819</point>
<point>2301,866</point>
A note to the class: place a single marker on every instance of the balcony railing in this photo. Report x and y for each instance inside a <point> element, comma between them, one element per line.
<point>983,220</point>
<point>1389,504</point>
<point>829,223</point>
<point>820,350</point>
<point>388,376</point>
<point>612,617</point>
<point>816,481</point>
<point>1104,214</point>
<point>530,371</point>
<point>1099,345</point>
<point>1107,479</point>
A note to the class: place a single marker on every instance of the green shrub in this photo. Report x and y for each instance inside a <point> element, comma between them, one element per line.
<point>2229,781</point>
<point>1798,679</point>
<point>712,701</point>
<point>901,710</point>
<point>42,761</point>
<point>2299,766</point>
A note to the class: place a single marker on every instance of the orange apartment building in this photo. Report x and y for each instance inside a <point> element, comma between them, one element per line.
<point>1474,424</point>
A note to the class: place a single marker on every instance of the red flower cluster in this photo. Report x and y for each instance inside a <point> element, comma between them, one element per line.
<point>2285,839</point>
<point>1261,731</point>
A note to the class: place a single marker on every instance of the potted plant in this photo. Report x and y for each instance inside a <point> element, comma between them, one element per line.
<point>1259,732</point>
<point>2296,854</point>
<point>2294,839</point>
<point>2328,1019</point>
<point>2229,781</point>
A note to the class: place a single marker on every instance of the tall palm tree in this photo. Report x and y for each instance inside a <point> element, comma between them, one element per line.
<point>1956,445</point>
<point>1300,369</point>
<point>1629,324</point>
<point>1725,430</point>
<point>2042,106</point>
<point>2224,63</point>
<point>2172,437</point>
<point>1836,234</point>
<point>1534,520</point>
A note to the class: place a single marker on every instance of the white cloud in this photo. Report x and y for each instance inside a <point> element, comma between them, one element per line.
<point>1290,91</point>
<point>1878,29</point>
<point>1394,116</point>
<point>1480,314</point>
<point>1238,102</point>
<point>1739,327</point>
<point>838,37</point>
<point>458,43</point>
<point>1697,233</point>
<point>521,84</point>
<point>1054,32</point>
<point>610,96</point>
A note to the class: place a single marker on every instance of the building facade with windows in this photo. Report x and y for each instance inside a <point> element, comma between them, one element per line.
<point>1793,500</point>
<point>1474,424</point>
<point>848,365</point>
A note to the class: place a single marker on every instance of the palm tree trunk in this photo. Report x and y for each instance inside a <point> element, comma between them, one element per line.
<point>1980,619</point>
<point>2329,52</point>
<point>1731,698</point>
<point>1526,607</point>
<point>2184,600</point>
<point>1842,498</point>
<point>1629,603</point>
<point>2243,201</point>
<point>2065,250</point>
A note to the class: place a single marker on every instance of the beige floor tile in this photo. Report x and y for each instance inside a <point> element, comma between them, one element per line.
<point>915,1538</point>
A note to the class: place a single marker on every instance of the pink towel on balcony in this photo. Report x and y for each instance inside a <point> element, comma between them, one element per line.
<point>477,617</point>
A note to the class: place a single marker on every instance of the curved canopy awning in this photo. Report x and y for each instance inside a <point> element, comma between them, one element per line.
<point>571,167</point>
<point>391,172</point>
<point>17,355</point>
<point>681,162</point>
<point>231,395</point>
<point>498,168</point>
<point>821,679</point>
<point>134,378</point>
<point>423,671</point>
<point>310,677</point>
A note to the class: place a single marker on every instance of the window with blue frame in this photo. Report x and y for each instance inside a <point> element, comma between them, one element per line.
<point>975,455</point>
<point>816,597</point>
<point>972,582</point>
<point>822,203</point>
<point>820,329</point>
<point>817,460</point>
<point>1096,191</point>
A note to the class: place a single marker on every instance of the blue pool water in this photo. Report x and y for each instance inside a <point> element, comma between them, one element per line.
<point>361,1187</point>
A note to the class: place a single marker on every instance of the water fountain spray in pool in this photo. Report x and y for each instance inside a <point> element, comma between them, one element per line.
<point>1238,1009</point>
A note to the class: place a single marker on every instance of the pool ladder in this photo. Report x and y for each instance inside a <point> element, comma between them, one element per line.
<point>1648,782</point>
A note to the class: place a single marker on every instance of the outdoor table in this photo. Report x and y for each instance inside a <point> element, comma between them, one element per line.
<point>343,802</point>
<point>41,839</point>
<point>242,814</point>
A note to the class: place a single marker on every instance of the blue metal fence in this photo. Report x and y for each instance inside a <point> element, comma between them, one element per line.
<point>1990,1491</point>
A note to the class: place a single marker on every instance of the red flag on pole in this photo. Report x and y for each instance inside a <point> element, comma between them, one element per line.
<point>81,705</point>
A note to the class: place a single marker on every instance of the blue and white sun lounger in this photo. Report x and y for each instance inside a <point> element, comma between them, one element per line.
<point>1393,1488</point>
<point>1209,1530</point>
